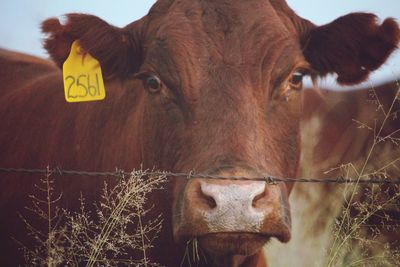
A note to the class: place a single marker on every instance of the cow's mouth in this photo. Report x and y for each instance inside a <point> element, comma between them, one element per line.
<point>232,243</point>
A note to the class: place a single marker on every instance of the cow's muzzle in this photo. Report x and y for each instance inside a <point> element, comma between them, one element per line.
<point>223,212</point>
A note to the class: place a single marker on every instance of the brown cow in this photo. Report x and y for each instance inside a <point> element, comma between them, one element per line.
<point>210,86</point>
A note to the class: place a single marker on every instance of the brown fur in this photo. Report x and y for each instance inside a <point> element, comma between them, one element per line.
<point>352,53</point>
<point>225,67</point>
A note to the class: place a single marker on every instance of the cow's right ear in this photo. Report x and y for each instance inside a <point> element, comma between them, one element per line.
<point>119,50</point>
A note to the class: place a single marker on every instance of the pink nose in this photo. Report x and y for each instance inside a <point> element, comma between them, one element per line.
<point>234,206</point>
<point>229,206</point>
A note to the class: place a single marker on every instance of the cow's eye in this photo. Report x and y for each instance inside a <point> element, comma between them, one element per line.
<point>296,81</point>
<point>152,84</point>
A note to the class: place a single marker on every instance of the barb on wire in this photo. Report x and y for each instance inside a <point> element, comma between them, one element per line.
<point>268,179</point>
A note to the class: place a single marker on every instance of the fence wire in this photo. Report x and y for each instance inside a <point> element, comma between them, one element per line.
<point>190,175</point>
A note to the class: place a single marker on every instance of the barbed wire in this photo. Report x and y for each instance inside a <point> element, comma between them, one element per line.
<point>190,175</point>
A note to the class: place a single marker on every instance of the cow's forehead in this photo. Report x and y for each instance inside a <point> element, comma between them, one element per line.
<point>202,35</point>
<point>223,22</point>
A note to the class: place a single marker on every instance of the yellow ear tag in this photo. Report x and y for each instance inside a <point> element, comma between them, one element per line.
<point>82,76</point>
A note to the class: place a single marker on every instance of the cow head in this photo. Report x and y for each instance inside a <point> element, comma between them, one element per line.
<point>219,88</point>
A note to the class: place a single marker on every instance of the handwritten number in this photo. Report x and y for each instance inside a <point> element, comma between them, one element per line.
<point>87,87</point>
<point>92,88</point>
<point>69,87</point>
<point>97,83</point>
<point>79,84</point>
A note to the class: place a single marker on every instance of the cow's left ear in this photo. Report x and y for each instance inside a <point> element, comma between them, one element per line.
<point>119,50</point>
<point>351,46</point>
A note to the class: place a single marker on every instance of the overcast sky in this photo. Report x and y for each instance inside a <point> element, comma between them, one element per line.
<point>20,19</point>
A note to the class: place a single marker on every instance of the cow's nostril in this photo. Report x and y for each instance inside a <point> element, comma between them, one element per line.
<point>258,199</point>
<point>207,199</point>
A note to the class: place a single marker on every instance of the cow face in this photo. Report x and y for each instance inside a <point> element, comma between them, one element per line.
<point>220,93</point>
<point>231,107</point>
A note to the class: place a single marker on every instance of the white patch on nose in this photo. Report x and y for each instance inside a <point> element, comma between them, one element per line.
<point>234,211</point>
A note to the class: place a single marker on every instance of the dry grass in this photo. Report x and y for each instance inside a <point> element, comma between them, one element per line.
<point>363,231</point>
<point>106,234</point>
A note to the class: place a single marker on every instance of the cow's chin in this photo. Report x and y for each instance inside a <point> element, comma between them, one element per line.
<point>225,244</point>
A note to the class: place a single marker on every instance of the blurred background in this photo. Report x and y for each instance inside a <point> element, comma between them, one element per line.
<point>20,21</point>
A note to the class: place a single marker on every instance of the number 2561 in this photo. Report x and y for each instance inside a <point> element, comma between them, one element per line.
<point>83,86</point>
